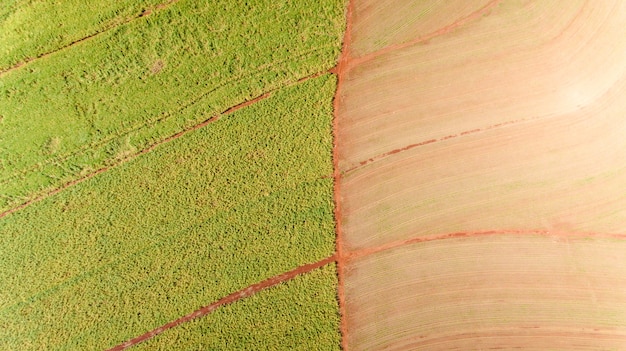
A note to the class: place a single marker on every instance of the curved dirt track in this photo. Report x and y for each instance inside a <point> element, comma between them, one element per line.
<point>498,118</point>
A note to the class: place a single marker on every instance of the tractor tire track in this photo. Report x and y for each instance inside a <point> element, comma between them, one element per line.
<point>431,141</point>
<point>162,117</point>
<point>155,145</point>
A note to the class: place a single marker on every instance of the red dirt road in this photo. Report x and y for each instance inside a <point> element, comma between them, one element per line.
<point>340,70</point>
<point>243,293</point>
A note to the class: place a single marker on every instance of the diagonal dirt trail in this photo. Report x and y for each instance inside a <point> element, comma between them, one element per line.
<point>340,70</point>
<point>430,141</point>
<point>237,295</point>
<point>154,146</point>
<point>145,13</point>
<point>442,31</point>
<point>139,153</point>
<point>455,235</point>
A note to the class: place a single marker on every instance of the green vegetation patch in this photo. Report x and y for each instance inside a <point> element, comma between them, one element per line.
<point>101,101</point>
<point>29,29</point>
<point>300,314</point>
<point>230,204</point>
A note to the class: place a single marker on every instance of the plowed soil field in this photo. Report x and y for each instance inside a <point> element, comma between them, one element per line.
<point>483,166</point>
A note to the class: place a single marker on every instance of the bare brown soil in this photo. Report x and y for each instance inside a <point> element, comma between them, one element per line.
<point>415,29</point>
<point>238,295</point>
<point>524,338</point>
<point>504,290</point>
<point>554,235</point>
<point>482,166</point>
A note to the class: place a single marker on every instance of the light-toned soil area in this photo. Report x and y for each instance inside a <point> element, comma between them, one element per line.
<point>499,118</point>
<point>488,291</point>
<point>378,24</point>
<point>564,173</point>
<point>522,61</point>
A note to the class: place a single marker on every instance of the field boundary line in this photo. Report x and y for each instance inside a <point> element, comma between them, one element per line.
<point>560,236</point>
<point>424,38</point>
<point>233,297</point>
<point>340,70</point>
<point>159,143</point>
<point>145,13</point>
<point>434,140</point>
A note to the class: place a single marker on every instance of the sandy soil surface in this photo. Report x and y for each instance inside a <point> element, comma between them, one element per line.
<point>378,24</point>
<point>489,291</point>
<point>566,173</point>
<point>504,118</point>
<point>536,60</point>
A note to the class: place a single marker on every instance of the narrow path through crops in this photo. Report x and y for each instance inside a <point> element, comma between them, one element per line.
<point>238,295</point>
<point>145,13</point>
<point>153,146</point>
<point>338,257</point>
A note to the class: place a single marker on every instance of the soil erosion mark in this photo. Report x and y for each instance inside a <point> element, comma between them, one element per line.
<point>339,70</point>
<point>238,295</point>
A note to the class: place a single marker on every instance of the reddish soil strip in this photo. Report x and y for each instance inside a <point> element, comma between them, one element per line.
<point>430,141</point>
<point>238,295</point>
<point>442,31</point>
<point>340,70</point>
<point>559,235</point>
<point>145,13</point>
<point>152,147</point>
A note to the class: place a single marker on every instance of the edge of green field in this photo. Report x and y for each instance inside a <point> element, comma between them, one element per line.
<point>64,116</point>
<point>223,207</point>
<point>300,314</point>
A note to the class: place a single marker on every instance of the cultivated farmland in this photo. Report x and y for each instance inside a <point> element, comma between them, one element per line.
<point>200,217</point>
<point>483,166</point>
<point>298,315</point>
<point>103,100</point>
<point>188,175</point>
<point>178,159</point>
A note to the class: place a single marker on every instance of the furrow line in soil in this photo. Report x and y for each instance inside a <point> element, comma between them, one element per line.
<point>425,38</point>
<point>557,235</point>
